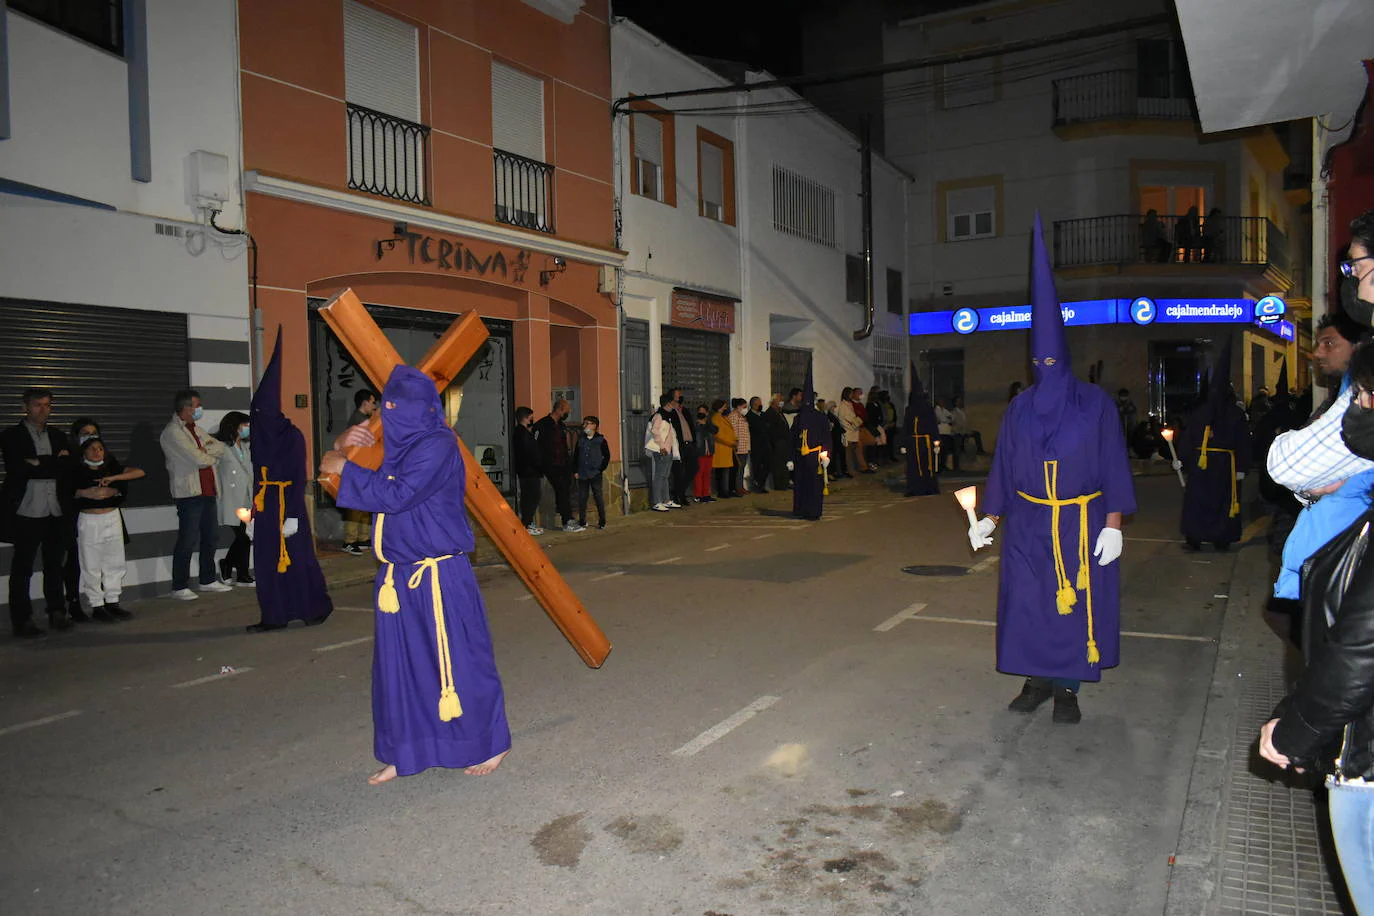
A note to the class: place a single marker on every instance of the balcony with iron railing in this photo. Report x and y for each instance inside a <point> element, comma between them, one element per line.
<point>524,191</point>
<point>1119,95</point>
<point>388,155</point>
<point>1133,239</point>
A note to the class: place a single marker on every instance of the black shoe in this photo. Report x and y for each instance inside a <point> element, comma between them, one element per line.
<point>226,572</point>
<point>600,525</point>
<point>264,627</point>
<point>59,621</point>
<point>1194,544</point>
<point>1222,546</point>
<point>103,614</point>
<point>28,630</point>
<point>117,612</point>
<point>77,613</point>
<point>245,579</point>
<point>1066,707</point>
<point>316,621</point>
<point>1031,697</point>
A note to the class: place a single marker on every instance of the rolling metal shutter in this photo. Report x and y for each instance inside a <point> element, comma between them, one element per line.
<point>517,112</point>
<point>381,62</point>
<point>698,362</point>
<point>120,367</point>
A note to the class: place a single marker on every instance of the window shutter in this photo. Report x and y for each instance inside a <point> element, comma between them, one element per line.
<point>712,174</point>
<point>649,139</point>
<point>517,112</point>
<point>381,62</point>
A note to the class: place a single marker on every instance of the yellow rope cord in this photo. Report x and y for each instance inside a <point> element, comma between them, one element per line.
<point>260,504</point>
<point>917,436</point>
<point>449,707</point>
<point>1231,454</point>
<point>1066,592</point>
<point>388,602</point>
<point>1202,452</point>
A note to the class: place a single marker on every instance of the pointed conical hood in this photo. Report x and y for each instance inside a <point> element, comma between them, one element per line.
<point>1049,345</point>
<point>1281,389</point>
<point>1219,391</point>
<point>917,392</point>
<point>808,390</point>
<point>918,406</point>
<point>266,405</point>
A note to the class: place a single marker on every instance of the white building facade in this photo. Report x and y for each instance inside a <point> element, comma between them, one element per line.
<point>743,226</point>
<point>1093,134</point>
<point>119,138</point>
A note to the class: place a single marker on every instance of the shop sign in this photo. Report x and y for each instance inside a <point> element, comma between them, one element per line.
<point>1267,313</point>
<point>450,254</point>
<point>702,312</point>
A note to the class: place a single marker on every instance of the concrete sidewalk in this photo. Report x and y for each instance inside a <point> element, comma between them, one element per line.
<point>1253,842</point>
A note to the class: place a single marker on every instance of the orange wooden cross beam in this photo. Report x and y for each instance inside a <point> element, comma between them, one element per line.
<point>375,355</point>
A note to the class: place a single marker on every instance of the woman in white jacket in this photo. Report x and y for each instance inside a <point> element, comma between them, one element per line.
<point>235,492</point>
<point>661,446</point>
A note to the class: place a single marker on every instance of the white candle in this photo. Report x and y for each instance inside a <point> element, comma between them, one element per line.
<point>243,515</point>
<point>1168,435</point>
<point>968,498</point>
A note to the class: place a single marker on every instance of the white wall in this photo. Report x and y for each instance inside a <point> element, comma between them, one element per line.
<point>69,109</point>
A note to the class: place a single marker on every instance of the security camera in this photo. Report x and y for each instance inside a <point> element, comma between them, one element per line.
<point>560,262</point>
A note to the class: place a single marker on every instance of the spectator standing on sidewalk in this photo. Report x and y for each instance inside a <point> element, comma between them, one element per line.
<point>527,468</point>
<point>829,409</point>
<point>723,462</point>
<point>235,494</point>
<point>874,433</point>
<point>192,454</point>
<point>889,425</point>
<point>685,466</point>
<point>660,445</point>
<point>100,485</point>
<point>851,422</point>
<point>779,435</point>
<point>944,419</point>
<point>590,460</point>
<point>83,428</point>
<point>962,433</point>
<point>358,525</point>
<point>760,455</point>
<point>555,460</point>
<point>1061,480</point>
<point>34,510</point>
<point>706,453</point>
<point>740,424</point>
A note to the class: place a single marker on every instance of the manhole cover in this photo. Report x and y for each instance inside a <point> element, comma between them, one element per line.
<point>936,570</point>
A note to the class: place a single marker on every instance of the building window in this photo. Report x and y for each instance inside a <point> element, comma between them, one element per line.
<point>894,292</point>
<point>653,144</point>
<point>1161,69</point>
<point>855,278</point>
<point>972,82</point>
<point>970,212</point>
<point>803,208</point>
<point>388,147</point>
<point>716,176</point>
<point>523,180</point>
<point>100,22</point>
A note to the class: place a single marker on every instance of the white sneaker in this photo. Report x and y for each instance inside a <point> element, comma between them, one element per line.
<point>572,526</point>
<point>534,530</point>
<point>661,507</point>
<point>673,505</point>
<point>214,587</point>
<point>183,594</point>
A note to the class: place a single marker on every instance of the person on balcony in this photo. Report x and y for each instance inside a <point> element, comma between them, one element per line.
<point>1213,236</point>
<point>1186,234</point>
<point>1154,241</point>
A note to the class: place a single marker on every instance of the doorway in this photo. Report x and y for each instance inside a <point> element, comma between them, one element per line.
<point>1177,370</point>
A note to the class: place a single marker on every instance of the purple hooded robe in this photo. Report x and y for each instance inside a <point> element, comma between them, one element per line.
<point>920,431</point>
<point>436,695</point>
<point>810,436</point>
<point>1059,468</point>
<point>1211,501</point>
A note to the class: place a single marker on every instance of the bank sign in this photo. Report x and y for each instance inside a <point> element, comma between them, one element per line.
<point>1267,313</point>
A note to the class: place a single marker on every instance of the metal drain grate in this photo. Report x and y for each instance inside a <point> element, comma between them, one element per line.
<point>1272,861</point>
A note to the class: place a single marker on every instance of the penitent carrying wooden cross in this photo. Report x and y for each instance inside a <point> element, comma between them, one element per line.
<point>375,355</point>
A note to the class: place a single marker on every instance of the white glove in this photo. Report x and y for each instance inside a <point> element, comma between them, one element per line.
<point>980,535</point>
<point>1240,475</point>
<point>248,528</point>
<point>1177,465</point>
<point>1108,548</point>
<point>291,526</point>
<point>789,466</point>
<point>825,462</point>
<point>903,451</point>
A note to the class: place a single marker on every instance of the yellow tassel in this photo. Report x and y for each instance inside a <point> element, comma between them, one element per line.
<point>1094,656</point>
<point>449,707</point>
<point>1202,462</point>
<point>1202,453</point>
<point>258,503</point>
<point>283,561</point>
<point>1082,576</point>
<point>388,602</point>
<point>1065,599</point>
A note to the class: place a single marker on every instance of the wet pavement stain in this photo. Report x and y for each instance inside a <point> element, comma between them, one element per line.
<point>561,841</point>
<point>651,833</point>
<point>858,793</point>
<point>928,815</point>
<point>857,812</point>
<point>840,866</point>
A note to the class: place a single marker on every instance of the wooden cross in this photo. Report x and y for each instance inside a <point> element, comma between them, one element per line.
<point>375,355</point>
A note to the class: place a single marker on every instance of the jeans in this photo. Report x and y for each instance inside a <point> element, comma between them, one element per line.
<point>33,536</point>
<point>197,529</point>
<point>1352,826</point>
<point>662,465</point>
<point>529,499</point>
<point>592,486</point>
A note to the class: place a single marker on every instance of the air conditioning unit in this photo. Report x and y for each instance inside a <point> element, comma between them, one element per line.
<point>208,180</point>
<point>605,281</point>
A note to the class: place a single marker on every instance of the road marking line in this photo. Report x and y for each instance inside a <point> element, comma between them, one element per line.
<point>1254,529</point>
<point>609,575</point>
<point>212,677</point>
<point>356,610</point>
<point>669,560</point>
<point>1135,633</point>
<point>37,722</point>
<point>717,547</point>
<point>964,620</point>
<point>775,527</point>
<point>716,732</point>
<point>525,598</point>
<point>898,617</point>
<point>860,511</point>
<point>982,565</point>
<point>343,645</point>
<point>759,537</point>
<point>1155,540</point>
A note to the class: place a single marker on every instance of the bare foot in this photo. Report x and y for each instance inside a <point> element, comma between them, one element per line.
<point>385,774</point>
<point>487,767</point>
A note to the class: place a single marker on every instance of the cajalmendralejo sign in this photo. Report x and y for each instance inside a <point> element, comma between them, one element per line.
<point>1267,313</point>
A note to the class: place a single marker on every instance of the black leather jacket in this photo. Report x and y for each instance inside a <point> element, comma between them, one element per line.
<point>1327,722</point>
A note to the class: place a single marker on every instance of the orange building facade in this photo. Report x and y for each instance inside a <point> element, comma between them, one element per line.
<point>438,157</point>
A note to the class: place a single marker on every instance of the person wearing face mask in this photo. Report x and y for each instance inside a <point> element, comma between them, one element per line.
<point>192,454</point>
<point>591,457</point>
<point>82,429</point>
<point>101,483</point>
<point>235,495</point>
<point>706,455</point>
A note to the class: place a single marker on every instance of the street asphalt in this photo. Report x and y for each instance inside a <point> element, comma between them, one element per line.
<point>789,724</point>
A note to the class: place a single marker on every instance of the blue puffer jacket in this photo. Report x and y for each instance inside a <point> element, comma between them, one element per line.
<point>592,456</point>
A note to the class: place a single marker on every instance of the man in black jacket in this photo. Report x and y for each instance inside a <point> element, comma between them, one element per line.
<point>33,501</point>
<point>778,434</point>
<point>760,452</point>
<point>685,467</point>
<point>554,460</point>
<point>527,468</point>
